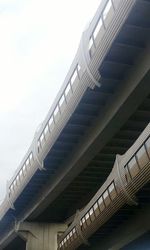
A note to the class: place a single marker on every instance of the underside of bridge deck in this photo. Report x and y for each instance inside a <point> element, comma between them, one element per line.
<point>106,122</point>
<point>123,100</point>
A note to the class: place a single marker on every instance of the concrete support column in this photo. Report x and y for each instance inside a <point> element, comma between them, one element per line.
<point>40,236</point>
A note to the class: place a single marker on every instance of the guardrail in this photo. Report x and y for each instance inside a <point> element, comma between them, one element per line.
<point>60,107</point>
<point>101,25</point>
<point>37,151</point>
<point>130,173</point>
<point>83,74</point>
<point>80,77</point>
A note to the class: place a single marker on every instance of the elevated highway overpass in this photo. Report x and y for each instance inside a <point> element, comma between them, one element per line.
<point>100,112</point>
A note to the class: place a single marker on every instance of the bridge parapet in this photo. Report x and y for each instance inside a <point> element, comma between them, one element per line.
<point>130,173</point>
<point>83,74</point>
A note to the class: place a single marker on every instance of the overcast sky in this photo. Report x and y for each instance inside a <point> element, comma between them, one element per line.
<point>38,41</point>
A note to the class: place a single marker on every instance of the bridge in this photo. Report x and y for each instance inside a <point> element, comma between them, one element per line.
<point>84,182</point>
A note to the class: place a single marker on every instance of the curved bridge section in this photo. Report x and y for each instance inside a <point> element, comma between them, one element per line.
<point>83,74</point>
<point>130,173</point>
<point>100,111</point>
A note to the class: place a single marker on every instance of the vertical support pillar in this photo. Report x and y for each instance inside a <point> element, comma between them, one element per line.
<point>40,236</point>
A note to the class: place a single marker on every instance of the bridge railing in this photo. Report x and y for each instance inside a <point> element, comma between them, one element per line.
<point>40,145</point>
<point>60,107</point>
<point>130,173</point>
<point>101,25</point>
<point>80,77</point>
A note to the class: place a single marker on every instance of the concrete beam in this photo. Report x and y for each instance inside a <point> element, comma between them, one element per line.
<point>129,96</point>
<point>40,236</point>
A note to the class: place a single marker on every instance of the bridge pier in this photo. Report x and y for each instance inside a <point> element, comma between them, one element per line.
<point>40,236</point>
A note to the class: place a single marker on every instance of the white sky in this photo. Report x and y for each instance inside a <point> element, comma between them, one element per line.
<point>38,41</point>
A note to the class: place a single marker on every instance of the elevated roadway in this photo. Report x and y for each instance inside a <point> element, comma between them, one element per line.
<point>100,111</point>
